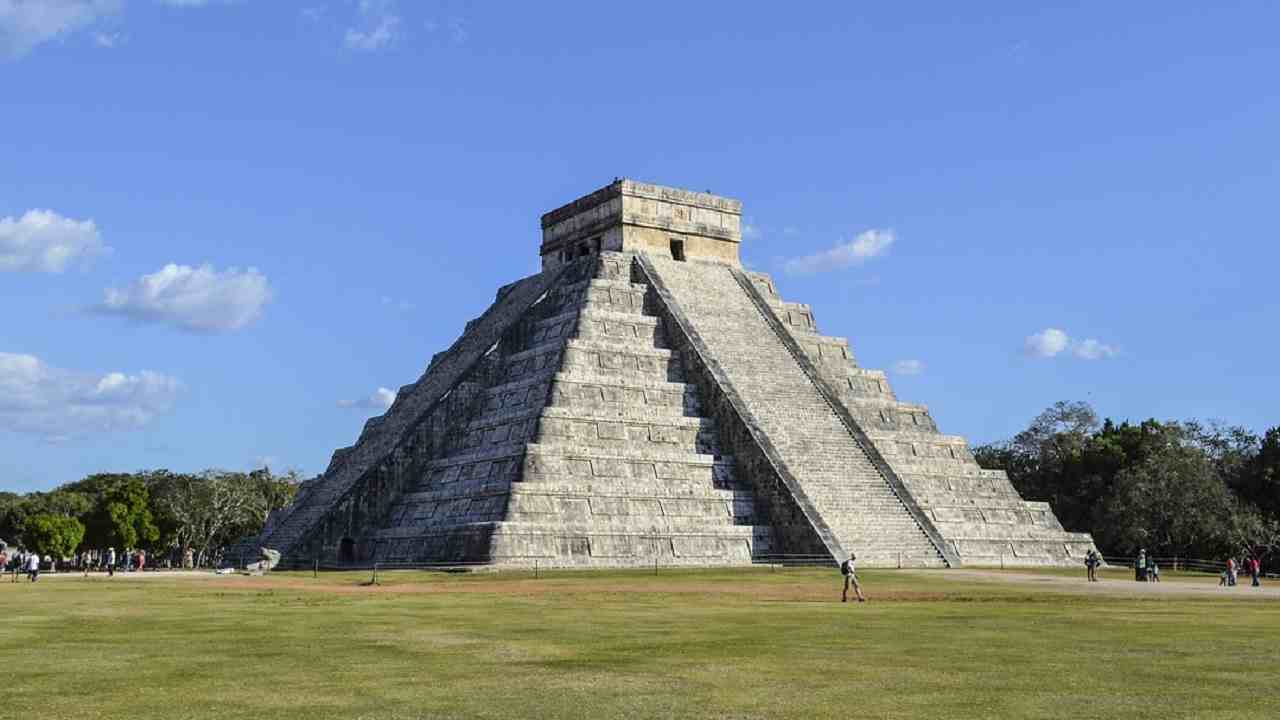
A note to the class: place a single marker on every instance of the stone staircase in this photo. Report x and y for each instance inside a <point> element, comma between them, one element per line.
<point>590,450</point>
<point>844,485</point>
<point>978,514</point>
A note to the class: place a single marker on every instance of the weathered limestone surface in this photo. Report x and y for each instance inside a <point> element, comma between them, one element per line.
<point>859,504</point>
<point>978,512</point>
<point>596,456</point>
<point>318,498</point>
<point>643,399</point>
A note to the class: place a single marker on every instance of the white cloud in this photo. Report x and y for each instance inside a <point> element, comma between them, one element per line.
<point>1052,342</point>
<point>108,40</point>
<point>26,24</point>
<point>44,241</point>
<point>1092,349</point>
<point>200,299</point>
<point>908,367</point>
<point>377,26</point>
<point>869,244</point>
<point>750,230</point>
<point>380,400</point>
<point>56,403</point>
<point>1047,343</point>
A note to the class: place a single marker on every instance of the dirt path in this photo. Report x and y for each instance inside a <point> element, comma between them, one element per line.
<point>1181,587</point>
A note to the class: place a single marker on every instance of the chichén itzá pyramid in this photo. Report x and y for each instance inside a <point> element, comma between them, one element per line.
<point>645,399</point>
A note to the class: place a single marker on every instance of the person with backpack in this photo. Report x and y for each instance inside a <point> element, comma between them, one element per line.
<point>848,570</point>
<point>33,567</point>
<point>1091,561</point>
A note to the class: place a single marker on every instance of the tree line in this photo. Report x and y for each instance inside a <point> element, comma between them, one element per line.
<point>163,512</point>
<point>1174,488</point>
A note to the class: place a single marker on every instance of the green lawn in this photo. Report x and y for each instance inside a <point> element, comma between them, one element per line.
<point>720,644</point>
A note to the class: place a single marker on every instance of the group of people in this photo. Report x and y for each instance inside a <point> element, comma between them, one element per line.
<point>30,563</point>
<point>1230,575</point>
<point>1145,568</point>
<point>22,562</point>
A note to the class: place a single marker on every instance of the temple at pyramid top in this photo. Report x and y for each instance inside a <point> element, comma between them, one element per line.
<point>630,216</point>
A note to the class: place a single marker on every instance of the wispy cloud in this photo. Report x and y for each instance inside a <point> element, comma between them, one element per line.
<point>377,26</point>
<point>393,303</point>
<point>27,24</point>
<point>908,367</point>
<point>44,241</point>
<point>863,247</point>
<point>192,298</point>
<point>56,403</point>
<point>380,400</point>
<point>1092,349</point>
<point>1052,342</point>
<point>1047,343</point>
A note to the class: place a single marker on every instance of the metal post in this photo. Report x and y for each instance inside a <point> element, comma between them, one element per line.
<point>375,573</point>
<point>535,569</point>
<point>1001,561</point>
<point>899,559</point>
<point>315,569</point>
<point>655,566</point>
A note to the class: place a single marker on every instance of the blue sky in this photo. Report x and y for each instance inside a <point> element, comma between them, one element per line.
<point>224,226</point>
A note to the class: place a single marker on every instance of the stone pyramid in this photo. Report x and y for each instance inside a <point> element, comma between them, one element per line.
<point>644,399</point>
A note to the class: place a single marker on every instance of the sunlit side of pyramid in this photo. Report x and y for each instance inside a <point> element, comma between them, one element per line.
<point>644,399</point>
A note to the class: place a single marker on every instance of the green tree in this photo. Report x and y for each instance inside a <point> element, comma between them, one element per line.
<point>123,517</point>
<point>1260,483</point>
<point>55,535</point>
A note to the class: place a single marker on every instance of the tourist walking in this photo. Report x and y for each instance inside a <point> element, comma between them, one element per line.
<point>142,560</point>
<point>1153,570</point>
<point>1231,572</point>
<point>1091,561</point>
<point>1255,571</point>
<point>111,562</point>
<point>1140,566</point>
<point>33,567</point>
<point>849,572</point>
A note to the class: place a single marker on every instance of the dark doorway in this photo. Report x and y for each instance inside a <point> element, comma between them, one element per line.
<point>347,550</point>
<point>677,249</point>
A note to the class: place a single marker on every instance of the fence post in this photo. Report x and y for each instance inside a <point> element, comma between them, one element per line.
<point>899,559</point>
<point>655,566</point>
<point>1001,561</point>
<point>375,573</point>
<point>535,569</point>
<point>315,569</point>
